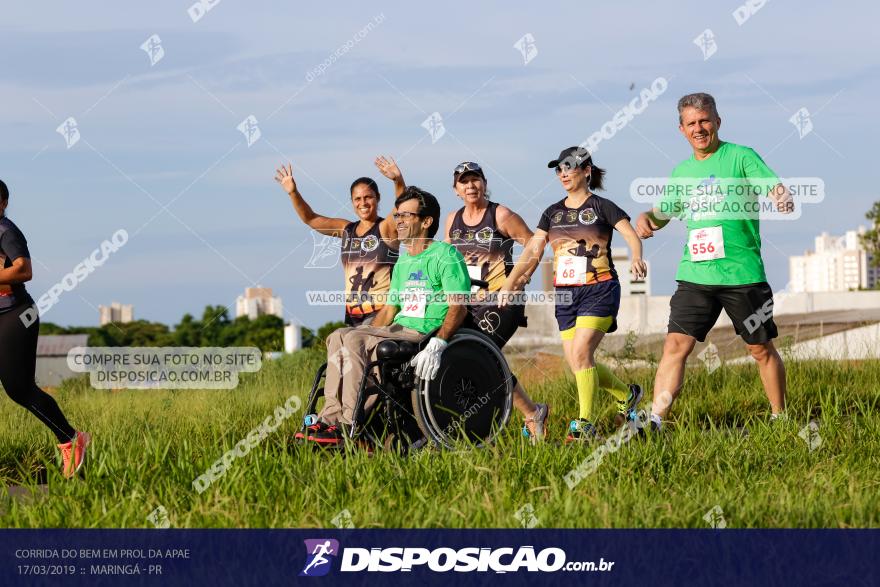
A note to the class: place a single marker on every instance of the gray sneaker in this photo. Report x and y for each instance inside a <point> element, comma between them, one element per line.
<point>538,423</point>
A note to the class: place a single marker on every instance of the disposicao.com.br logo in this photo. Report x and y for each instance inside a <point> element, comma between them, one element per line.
<point>442,560</point>
<point>318,553</point>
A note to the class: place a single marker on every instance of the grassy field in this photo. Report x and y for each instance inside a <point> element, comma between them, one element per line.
<point>717,450</point>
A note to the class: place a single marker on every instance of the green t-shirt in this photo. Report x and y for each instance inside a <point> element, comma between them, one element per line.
<point>721,198</point>
<point>419,283</point>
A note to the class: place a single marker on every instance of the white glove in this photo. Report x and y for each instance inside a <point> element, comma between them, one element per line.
<point>427,362</point>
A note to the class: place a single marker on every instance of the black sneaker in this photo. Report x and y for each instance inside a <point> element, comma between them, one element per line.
<point>626,410</point>
<point>582,431</point>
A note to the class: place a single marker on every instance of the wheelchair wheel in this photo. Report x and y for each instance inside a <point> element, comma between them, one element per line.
<point>470,399</point>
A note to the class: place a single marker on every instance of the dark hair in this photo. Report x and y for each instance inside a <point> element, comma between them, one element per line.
<point>582,158</point>
<point>4,191</point>
<point>597,177</point>
<point>429,207</point>
<point>367,181</point>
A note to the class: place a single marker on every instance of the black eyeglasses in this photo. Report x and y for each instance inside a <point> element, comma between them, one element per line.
<point>404,215</point>
<point>467,166</point>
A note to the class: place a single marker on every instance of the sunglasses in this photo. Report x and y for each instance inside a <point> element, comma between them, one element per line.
<point>466,166</point>
<point>566,168</point>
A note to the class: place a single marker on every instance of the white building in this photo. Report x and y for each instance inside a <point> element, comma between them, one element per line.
<point>628,286</point>
<point>839,263</point>
<point>257,301</point>
<point>115,312</point>
<point>292,337</point>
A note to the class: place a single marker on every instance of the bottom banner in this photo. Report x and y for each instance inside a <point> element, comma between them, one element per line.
<point>434,557</point>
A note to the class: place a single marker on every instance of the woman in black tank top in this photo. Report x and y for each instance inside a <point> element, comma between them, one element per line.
<point>486,248</point>
<point>484,233</point>
<point>369,244</point>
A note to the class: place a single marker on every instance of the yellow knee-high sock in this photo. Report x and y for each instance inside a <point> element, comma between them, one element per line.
<point>587,382</point>
<point>611,383</point>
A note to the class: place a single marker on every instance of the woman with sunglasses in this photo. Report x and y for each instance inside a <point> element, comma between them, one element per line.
<point>579,229</point>
<point>369,244</point>
<point>484,232</point>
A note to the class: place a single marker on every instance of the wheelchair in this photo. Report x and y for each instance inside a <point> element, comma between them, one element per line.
<point>469,401</point>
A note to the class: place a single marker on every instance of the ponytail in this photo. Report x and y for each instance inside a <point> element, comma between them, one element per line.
<point>597,178</point>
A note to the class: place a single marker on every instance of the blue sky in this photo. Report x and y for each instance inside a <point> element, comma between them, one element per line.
<point>165,135</point>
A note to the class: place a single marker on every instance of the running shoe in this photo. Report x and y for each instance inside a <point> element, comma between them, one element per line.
<point>73,454</point>
<point>535,428</point>
<point>652,429</point>
<point>780,419</point>
<point>626,409</point>
<point>329,436</point>
<point>581,430</point>
<point>313,425</point>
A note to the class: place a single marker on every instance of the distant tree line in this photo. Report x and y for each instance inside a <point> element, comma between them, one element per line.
<point>215,328</point>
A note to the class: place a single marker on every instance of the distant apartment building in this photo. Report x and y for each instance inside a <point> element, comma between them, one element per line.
<point>115,312</point>
<point>257,301</point>
<point>839,263</point>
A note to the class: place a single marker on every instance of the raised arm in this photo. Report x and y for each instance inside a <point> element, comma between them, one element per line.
<point>388,167</point>
<point>638,267</point>
<point>323,224</point>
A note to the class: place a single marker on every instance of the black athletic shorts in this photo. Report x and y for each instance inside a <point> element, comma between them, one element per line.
<point>695,308</point>
<point>499,324</point>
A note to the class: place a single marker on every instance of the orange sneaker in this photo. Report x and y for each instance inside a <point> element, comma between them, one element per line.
<point>73,454</point>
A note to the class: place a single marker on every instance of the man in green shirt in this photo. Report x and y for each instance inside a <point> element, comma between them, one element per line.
<point>429,286</point>
<point>719,191</point>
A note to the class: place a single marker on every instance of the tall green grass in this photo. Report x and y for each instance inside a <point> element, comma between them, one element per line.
<point>717,449</point>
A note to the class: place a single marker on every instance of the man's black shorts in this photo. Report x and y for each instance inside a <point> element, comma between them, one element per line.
<point>694,308</point>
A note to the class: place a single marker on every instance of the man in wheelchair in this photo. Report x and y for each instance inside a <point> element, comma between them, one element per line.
<point>429,288</point>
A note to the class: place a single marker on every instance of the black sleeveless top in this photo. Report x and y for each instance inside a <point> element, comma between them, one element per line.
<point>367,262</point>
<point>486,250</point>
